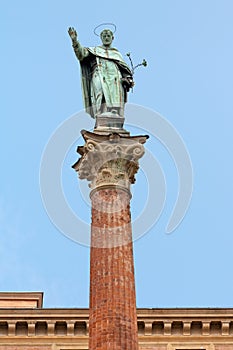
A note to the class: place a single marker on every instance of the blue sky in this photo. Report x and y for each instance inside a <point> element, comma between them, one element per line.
<point>189,80</point>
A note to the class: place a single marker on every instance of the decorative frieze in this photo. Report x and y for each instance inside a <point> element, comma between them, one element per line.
<point>159,326</point>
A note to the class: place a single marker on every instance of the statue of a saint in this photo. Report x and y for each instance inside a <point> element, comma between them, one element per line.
<point>106,78</point>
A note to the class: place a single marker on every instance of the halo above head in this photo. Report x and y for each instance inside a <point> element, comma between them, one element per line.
<point>98,30</point>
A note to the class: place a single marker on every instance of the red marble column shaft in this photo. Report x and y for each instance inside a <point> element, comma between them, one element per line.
<point>113,319</point>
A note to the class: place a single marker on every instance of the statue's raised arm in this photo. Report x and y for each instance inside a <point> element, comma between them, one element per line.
<point>73,34</point>
<point>80,52</point>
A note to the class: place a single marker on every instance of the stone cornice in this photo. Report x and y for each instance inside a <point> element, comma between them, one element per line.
<point>141,312</point>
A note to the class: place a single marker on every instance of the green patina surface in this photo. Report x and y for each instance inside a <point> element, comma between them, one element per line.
<point>106,78</point>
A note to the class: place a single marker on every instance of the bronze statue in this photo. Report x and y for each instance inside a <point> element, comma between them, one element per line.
<point>106,78</point>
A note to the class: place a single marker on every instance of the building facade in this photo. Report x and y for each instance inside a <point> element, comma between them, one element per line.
<point>26,325</point>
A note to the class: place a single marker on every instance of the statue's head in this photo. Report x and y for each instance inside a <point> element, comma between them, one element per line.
<point>107,37</point>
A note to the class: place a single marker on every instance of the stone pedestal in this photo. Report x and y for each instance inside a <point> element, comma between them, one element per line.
<point>110,162</point>
<point>109,120</point>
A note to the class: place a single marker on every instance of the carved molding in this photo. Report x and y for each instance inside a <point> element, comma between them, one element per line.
<point>167,328</point>
<point>148,328</point>
<point>186,328</point>
<point>225,327</point>
<point>70,328</point>
<point>11,328</point>
<point>37,324</point>
<point>205,328</point>
<point>51,328</point>
<point>31,329</point>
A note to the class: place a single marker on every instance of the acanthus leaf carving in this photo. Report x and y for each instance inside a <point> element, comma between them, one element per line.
<point>109,160</point>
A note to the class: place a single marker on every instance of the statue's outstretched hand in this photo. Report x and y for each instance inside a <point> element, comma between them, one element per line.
<point>72,33</point>
<point>127,82</point>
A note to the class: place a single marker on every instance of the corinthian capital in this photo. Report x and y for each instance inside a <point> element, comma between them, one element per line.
<point>109,160</point>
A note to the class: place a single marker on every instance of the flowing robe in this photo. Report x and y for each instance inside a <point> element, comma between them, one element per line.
<point>102,70</point>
